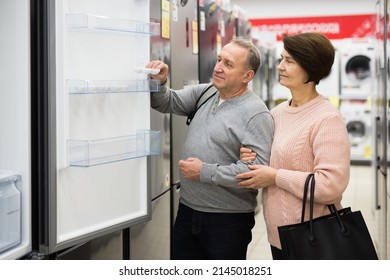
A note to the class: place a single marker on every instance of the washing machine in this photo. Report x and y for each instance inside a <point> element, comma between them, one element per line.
<point>358,120</point>
<point>330,86</point>
<point>357,69</point>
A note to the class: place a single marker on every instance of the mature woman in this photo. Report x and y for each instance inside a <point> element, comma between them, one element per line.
<point>310,137</point>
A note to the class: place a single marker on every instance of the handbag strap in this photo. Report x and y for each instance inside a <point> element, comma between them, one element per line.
<point>305,191</point>
<point>331,207</point>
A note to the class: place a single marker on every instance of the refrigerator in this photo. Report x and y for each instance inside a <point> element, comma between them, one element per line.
<point>210,41</point>
<point>150,240</point>
<point>77,116</point>
<point>381,132</point>
<point>184,39</point>
<point>227,22</point>
<point>15,130</point>
<point>243,26</point>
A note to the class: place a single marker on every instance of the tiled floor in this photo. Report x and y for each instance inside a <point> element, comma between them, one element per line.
<point>359,196</point>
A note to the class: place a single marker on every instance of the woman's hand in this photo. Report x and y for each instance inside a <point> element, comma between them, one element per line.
<point>260,176</point>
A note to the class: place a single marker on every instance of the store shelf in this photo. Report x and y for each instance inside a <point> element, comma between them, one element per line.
<point>95,23</point>
<point>85,153</point>
<point>110,86</point>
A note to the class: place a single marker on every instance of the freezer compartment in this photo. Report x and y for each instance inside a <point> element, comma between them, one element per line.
<point>84,153</point>
<point>101,86</point>
<point>10,212</point>
<point>86,22</point>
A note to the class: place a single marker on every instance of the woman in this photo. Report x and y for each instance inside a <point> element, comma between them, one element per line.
<point>310,137</point>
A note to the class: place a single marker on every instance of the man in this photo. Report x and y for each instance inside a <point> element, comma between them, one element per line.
<point>215,216</point>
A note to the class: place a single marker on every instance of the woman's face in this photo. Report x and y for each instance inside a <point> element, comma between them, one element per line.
<point>291,74</point>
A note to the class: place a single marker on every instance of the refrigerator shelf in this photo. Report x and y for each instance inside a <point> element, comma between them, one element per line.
<point>85,153</point>
<point>10,210</point>
<point>95,23</point>
<point>111,86</point>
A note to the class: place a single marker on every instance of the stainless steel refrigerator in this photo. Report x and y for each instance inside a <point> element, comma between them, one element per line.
<point>210,41</point>
<point>77,114</point>
<point>381,131</point>
<point>184,72</point>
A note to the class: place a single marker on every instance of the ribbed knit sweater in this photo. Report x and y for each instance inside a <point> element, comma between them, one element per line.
<point>308,138</point>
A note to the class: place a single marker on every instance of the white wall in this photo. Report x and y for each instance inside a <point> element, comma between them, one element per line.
<point>305,8</point>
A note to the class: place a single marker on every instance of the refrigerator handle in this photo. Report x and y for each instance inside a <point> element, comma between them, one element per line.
<point>377,162</point>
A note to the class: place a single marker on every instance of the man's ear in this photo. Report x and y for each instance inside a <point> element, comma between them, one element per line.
<point>249,76</point>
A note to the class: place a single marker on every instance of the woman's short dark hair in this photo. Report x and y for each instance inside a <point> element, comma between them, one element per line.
<point>313,51</point>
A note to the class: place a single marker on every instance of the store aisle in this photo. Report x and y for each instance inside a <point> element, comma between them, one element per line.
<point>359,196</point>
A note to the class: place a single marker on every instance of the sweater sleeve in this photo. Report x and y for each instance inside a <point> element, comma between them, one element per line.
<point>331,151</point>
<point>258,136</point>
<point>180,102</point>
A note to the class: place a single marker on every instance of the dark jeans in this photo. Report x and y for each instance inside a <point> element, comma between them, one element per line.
<point>211,236</point>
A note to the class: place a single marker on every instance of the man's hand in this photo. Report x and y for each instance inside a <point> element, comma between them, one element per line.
<point>190,168</point>
<point>158,64</point>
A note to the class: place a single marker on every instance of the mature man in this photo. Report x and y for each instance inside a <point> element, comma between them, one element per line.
<point>215,216</point>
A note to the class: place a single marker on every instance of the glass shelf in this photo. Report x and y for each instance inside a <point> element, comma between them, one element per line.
<point>94,23</point>
<point>85,153</point>
<point>110,86</point>
<point>10,210</point>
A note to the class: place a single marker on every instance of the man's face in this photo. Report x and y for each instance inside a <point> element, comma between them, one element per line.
<point>230,69</point>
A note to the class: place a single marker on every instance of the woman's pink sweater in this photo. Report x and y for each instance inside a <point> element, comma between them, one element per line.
<point>309,138</point>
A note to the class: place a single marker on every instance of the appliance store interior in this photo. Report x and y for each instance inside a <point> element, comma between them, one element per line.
<point>88,170</point>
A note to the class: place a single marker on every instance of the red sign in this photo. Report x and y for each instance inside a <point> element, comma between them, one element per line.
<point>334,27</point>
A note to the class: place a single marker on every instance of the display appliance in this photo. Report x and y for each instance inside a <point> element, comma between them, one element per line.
<point>80,110</point>
<point>151,239</point>
<point>381,131</point>
<point>184,72</point>
<point>330,86</point>
<point>210,42</point>
<point>357,69</point>
<point>357,115</point>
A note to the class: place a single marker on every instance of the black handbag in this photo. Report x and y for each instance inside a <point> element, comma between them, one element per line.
<point>341,235</point>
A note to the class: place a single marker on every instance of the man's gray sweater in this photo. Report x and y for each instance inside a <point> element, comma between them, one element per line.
<point>214,136</point>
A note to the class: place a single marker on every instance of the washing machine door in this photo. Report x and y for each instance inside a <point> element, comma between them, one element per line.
<point>357,131</point>
<point>358,69</point>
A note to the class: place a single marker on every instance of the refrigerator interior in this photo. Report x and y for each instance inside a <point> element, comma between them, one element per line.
<point>151,239</point>
<point>97,121</point>
<point>15,150</point>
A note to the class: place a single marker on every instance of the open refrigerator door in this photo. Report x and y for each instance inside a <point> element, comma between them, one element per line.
<point>98,120</point>
<point>77,110</point>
